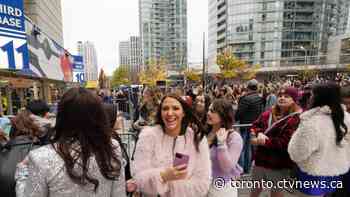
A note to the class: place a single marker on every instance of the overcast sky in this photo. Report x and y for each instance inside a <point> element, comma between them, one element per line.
<point>107,22</point>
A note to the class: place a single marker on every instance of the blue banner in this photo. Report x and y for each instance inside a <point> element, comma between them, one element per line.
<point>14,53</point>
<point>12,15</point>
<point>78,69</point>
<point>78,62</point>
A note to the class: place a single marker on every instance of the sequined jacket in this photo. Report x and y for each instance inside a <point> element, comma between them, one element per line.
<point>45,175</point>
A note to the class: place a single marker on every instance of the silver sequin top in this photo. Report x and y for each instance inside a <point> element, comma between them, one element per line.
<point>45,176</point>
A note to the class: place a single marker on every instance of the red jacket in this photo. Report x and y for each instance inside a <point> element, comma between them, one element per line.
<point>274,154</point>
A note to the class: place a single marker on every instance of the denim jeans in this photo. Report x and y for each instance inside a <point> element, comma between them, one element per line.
<point>245,160</point>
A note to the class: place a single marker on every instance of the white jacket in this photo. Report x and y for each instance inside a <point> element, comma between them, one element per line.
<point>313,145</point>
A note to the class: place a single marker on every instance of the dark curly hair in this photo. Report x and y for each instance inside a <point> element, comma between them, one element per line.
<point>81,120</point>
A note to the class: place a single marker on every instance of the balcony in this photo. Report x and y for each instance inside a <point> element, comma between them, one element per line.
<point>221,18</point>
<point>222,9</point>
<point>244,50</point>
<point>221,28</point>
<point>221,36</point>
<point>221,45</point>
<point>221,2</point>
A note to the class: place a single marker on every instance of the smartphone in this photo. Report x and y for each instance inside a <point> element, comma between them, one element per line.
<point>181,159</point>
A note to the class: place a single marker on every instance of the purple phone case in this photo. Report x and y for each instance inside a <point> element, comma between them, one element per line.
<point>181,159</point>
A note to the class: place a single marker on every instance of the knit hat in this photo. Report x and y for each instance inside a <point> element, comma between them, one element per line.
<point>290,91</point>
<point>188,100</point>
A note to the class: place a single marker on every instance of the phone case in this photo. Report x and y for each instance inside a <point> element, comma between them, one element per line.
<point>181,159</point>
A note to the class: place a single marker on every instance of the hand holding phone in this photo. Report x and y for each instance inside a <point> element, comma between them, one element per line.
<point>179,169</point>
<point>181,159</point>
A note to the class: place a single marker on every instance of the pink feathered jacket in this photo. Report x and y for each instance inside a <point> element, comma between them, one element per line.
<point>155,152</point>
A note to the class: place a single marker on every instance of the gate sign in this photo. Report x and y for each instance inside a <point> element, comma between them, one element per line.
<point>78,69</point>
<point>13,40</point>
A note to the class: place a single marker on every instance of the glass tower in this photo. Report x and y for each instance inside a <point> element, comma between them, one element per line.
<point>277,32</point>
<point>163,31</point>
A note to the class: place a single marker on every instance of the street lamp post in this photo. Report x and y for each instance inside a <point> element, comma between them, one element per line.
<point>305,51</point>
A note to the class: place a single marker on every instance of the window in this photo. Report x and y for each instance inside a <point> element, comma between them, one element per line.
<point>264,6</point>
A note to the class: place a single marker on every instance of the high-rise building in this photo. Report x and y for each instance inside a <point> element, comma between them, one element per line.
<point>135,59</point>
<point>348,24</point>
<point>214,26</point>
<point>47,15</point>
<point>130,57</point>
<point>124,53</point>
<point>275,32</point>
<point>163,31</point>
<point>88,51</point>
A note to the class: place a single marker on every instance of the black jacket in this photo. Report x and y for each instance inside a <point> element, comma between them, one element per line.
<point>249,108</point>
<point>10,155</point>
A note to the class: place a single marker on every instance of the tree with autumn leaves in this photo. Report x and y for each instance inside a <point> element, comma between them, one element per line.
<point>120,77</point>
<point>307,73</point>
<point>191,75</point>
<point>154,71</point>
<point>232,67</point>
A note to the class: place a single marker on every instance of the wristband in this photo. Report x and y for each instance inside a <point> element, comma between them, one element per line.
<point>221,143</point>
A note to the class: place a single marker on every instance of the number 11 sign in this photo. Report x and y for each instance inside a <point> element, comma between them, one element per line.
<point>13,54</point>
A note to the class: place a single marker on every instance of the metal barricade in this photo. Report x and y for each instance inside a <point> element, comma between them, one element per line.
<point>241,125</point>
<point>123,105</point>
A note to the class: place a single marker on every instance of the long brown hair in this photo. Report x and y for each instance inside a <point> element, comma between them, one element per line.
<point>224,108</point>
<point>23,124</point>
<point>81,120</point>
<point>188,119</point>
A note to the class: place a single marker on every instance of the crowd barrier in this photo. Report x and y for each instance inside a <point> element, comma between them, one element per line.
<point>123,105</point>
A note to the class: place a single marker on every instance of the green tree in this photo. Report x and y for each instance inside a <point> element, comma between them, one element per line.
<point>120,77</point>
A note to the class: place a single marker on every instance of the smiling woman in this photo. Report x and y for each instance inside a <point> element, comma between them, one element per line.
<point>172,114</point>
<point>155,166</point>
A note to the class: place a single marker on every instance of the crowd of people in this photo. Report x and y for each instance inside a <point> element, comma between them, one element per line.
<point>187,138</point>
